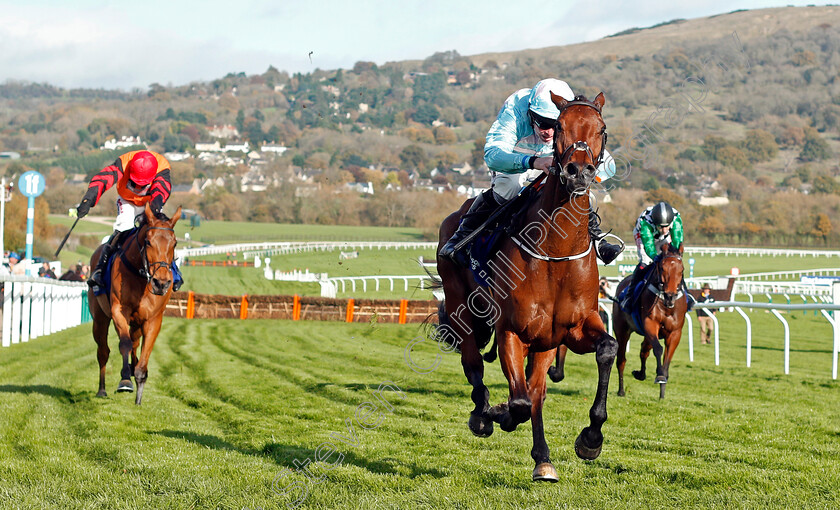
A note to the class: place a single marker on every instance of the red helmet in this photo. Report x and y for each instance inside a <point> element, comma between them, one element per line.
<point>142,168</point>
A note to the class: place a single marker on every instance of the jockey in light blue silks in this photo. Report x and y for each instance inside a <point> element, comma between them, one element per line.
<point>518,149</point>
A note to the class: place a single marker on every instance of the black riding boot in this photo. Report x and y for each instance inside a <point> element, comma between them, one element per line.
<point>606,252</point>
<point>96,277</point>
<point>480,210</point>
<point>628,297</point>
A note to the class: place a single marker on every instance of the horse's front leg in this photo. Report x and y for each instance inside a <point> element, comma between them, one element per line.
<point>588,443</point>
<point>136,335</point>
<point>544,470</point>
<point>652,338</point>
<point>558,372</point>
<point>151,328</point>
<point>518,407</point>
<point>124,332</point>
<point>671,343</point>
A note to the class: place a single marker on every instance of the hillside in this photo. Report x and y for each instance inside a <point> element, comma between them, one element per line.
<point>749,24</point>
<point>754,121</point>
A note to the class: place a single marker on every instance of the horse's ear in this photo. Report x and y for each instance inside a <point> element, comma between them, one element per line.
<point>600,100</point>
<point>175,217</point>
<point>664,248</point>
<point>150,216</point>
<point>559,101</point>
<point>682,248</point>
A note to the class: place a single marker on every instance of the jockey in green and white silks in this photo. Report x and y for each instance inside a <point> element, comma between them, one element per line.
<point>657,225</point>
<point>518,148</point>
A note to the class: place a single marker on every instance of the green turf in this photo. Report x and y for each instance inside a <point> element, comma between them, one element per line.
<point>230,405</point>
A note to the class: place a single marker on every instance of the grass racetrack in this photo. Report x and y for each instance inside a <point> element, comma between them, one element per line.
<point>231,406</point>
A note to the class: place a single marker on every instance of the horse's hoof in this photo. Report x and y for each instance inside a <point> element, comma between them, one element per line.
<point>497,411</point>
<point>507,423</point>
<point>639,375</point>
<point>480,426</point>
<point>125,386</point>
<point>620,393</point>
<point>556,375</point>
<point>102,394</point>
<point>587,452</point>
<point>660,379</point>
<point>545,472</point>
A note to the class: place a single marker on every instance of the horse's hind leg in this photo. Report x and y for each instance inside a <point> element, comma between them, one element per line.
<point>644,352</point>
<point>518,407</point>
<point>124,332</point>
<point>543,471</point>
<point>100,335</point>
<point>588,443</point>
<point>622,336</point>
<point>558,372</point>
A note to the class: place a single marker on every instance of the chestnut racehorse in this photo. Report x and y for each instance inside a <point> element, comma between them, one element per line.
<point>663,308</point>
<point>544,293</point>
<point>141,285</point>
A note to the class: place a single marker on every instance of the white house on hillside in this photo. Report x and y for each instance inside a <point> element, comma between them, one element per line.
<point>278,149</point>
<point>225,131</point>
<point>208,147</point>
<point>124,141</point>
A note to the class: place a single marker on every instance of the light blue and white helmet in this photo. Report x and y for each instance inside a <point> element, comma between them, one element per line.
<point>540,99</point>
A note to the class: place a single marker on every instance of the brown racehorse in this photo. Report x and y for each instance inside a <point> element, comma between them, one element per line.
<point>663,308</point>
<point>544,295</point>
<point>141,285</point>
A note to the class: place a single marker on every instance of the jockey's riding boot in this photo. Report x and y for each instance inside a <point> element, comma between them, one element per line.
<point>628,297</point>
<point>607,252</point>
<point>481,208</point>
<point>96,277</point>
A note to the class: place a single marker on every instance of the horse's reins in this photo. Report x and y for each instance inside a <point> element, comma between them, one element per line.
<point>146,272</point>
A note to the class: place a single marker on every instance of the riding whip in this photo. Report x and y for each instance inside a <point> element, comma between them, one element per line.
<point>60,246</point>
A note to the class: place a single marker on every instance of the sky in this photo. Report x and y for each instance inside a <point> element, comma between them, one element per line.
<point>125,45</point>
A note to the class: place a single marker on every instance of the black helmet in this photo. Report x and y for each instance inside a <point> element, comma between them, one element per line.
<point>662,214</point>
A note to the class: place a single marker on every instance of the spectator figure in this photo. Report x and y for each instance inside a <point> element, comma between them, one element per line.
<point>603,292</point>
<point>73,275</point>
<point>45,271</point>
<point>704,315</point>
<point>15,266</point>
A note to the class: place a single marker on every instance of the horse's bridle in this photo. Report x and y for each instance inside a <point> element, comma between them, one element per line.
<point>580,145</point>
<point>660,284</point>
<point>148,271</point>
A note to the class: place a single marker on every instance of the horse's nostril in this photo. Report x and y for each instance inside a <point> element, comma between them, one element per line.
<point>571,169</point>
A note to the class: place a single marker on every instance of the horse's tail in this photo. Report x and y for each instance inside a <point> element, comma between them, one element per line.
<point>483,331</point>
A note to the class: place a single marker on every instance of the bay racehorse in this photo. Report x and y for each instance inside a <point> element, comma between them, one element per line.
<point>544,293</point>
<point>141,285</point>
<point>662,310</point>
